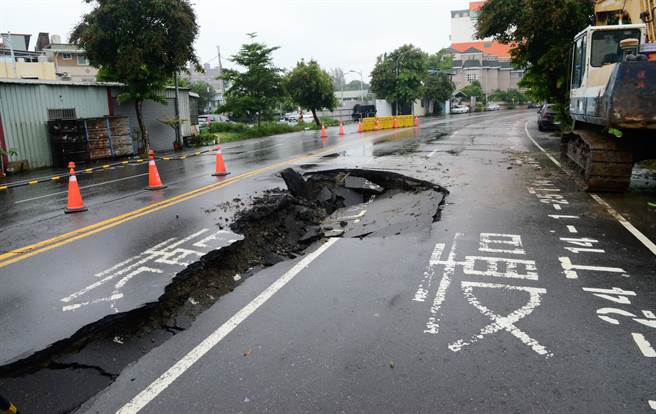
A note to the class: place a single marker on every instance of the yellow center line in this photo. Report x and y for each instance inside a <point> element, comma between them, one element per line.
<point>22,253</point>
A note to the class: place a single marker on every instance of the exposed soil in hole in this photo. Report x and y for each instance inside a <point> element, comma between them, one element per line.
<point>277,225</point>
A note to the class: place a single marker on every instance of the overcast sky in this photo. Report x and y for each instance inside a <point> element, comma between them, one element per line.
<point>337,33</point>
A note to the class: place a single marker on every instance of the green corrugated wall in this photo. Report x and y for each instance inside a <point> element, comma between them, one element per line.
<point>24,114</point>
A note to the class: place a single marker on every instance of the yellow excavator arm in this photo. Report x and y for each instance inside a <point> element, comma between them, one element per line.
<point>611,12</point>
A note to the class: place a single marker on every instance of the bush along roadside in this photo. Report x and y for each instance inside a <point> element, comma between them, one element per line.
<point>229,131</point>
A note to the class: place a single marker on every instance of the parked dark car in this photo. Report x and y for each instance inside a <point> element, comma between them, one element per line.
<point>363,111</point>
<point>532,105</point>
<point>547,118</point>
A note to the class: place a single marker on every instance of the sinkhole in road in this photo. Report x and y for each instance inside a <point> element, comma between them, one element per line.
<point>277,225</point>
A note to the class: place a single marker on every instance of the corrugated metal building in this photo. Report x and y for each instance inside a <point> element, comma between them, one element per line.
<point>25,106</point>
<point>161,136</point>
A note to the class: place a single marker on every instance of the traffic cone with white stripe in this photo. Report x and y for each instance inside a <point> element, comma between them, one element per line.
<point>416,121</point>
<point>75,203</point>
<point>341,128</point>
<point>154,182</point>
<point>220,168</point>
<point>360,129</point>
<point>324,133</point>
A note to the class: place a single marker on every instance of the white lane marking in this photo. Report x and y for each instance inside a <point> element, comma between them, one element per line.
<point>572,229</point>
<point>627,225</point>
<point>81,188</point>
<point>559,216</point>
<point>555,161</point>
<point>644,345</point>
<point>624,222</point>
<point>179,368</point>
<point>652,404</point>
<point>557,207</point>
<point>432,153</point>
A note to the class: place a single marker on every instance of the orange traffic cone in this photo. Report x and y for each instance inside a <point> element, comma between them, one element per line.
<point>416,121</point>
<point>324,134</point>
<point>75,203</point>
<point>220,169</point>
<point>154,182</point>
<point>395,124</point>
<point>341,128</point>
<point>360,129</point>
<point>377,125</point>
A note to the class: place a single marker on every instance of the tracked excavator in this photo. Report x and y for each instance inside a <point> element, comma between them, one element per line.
<point>613,94</point>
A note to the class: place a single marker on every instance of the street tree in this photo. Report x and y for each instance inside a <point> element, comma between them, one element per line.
<point>141,43</point>
<point>205,93</point>
<point>338,78</point>
<point>473,89</point>
<point>442,61</point>
<point>438,86</point>
<point>311,87</point>
<point>356,85</point>
<point>541,32</point>
<point>512,96</point>
<point>398,76</point>
<point>256,90</point>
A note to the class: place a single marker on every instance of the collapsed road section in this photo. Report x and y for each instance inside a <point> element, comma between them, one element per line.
<point>272,227</point>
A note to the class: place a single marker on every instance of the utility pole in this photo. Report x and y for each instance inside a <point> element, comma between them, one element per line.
<point>11,51</point>
<point>178,132</point>
<point>361,83</point>
<point>221,82</point>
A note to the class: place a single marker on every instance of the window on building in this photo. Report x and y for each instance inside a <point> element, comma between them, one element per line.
<point>471,77</point>
<point>61,113</point>
<point>67,56</point>
<point>82,60</point>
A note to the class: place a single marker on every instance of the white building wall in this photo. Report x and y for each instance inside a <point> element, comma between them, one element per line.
<point>462,29</point>
<point>383,108</point>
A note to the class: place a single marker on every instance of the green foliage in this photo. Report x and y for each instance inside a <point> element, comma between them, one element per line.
<point>354,85</point>
<point>205,92</point>
<point>11,152</point>
<point>398,76</point>
<point>227,131</point>
<point>511,96</point>
<point>141,43</point>
<point>437,83</point>
<point>473,89</point>
<point>542,32</point>
<point>227,127</point>
<point>480,107</point>
<point>328,122</point>
<point>438,86</point>
<point>440,61</point>
<point>254,92</point>
<point>311,87</point>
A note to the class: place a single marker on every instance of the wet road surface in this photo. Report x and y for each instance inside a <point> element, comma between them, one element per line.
<point>63,272</point>
<point>527,295</point>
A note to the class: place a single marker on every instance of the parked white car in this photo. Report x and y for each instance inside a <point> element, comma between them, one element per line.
<point>492,107</point>
<point>460,110</point>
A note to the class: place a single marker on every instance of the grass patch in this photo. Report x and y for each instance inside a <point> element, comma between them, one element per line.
<point>228,132</point>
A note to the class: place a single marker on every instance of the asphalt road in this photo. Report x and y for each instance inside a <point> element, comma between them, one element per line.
<point>527,296</point>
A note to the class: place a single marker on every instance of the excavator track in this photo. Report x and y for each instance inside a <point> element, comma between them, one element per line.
<point>603,163</point>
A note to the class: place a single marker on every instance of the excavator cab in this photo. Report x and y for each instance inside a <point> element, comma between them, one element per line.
<point>606,63</point>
